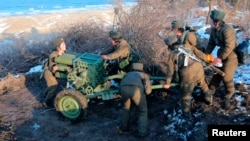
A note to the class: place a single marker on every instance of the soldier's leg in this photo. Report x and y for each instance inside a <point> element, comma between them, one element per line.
<point>214,83</point>
<point>186,89</point>
<point>188,82</point>
<point>204,87</point>
<point>139,99</point>
<point>52,85</point>
<point>51,93</point>
<point>229,69</point>
<point>125,98</point>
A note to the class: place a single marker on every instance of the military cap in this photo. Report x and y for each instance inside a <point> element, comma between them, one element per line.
<point>169,40</point>
<point>58,41</point>
<point>115,35</point>
<point>137,66</point>
<point>177,24</point>
<point>217,15</point>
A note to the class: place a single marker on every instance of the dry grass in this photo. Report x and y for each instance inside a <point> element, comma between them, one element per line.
<point>12,83</point>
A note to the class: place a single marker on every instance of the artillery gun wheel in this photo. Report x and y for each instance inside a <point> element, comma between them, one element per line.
<point>72,104</point>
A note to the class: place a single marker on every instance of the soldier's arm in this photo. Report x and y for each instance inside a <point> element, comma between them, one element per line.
<point>108,50</point>
<point>192,40</point>
<point>211,43</point>
<point>148,88</point>
<point>170,68</point>
<point>121,52</point>
<point>52,63</point>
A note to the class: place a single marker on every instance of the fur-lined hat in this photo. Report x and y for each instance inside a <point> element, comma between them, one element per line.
<point>58,41</point>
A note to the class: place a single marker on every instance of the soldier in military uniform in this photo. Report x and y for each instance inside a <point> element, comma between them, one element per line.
<point>187,69</point>
<point>119,50</point>
<point>191,75</point>
<point>224,36</point>
<point>51,68</point>
<point>133,88</point>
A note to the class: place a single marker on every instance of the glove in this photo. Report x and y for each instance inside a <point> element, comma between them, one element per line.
<point>210,58</point>
<point>217,62</point>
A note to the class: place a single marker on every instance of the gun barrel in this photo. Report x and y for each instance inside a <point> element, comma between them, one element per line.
<point>160,86</point>
<point>63,68</point>
<point>61,75</point>
<point>194,57</point>
<point>66,58</point>
<point>220,72</point>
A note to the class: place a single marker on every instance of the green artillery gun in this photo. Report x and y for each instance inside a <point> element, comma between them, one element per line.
<point>86,78</point>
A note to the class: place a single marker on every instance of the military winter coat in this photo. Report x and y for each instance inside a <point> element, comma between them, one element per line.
<point>48,74</point>
<point>136,78</point>
<point>193,72</point>
<point>190,41</point>
<point>122,50</point>
<point>225,38</point>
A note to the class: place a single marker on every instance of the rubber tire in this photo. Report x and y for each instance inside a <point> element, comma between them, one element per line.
<point>70,99</point>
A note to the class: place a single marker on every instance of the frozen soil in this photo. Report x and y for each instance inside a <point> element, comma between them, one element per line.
<point>23,118</point>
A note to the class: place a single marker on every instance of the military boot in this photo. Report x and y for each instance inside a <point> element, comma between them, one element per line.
<point>227,102</point>
<point>226,105</point>
<point>186,106</point>
<point>124,127</point>
<point>51,92</point>
<point>141,133</point>
<point>208,98</point>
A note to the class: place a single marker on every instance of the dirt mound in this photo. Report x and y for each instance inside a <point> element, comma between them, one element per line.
<point>12,83</point>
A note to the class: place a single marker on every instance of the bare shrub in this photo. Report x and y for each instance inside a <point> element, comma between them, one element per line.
<point>143,22</point>
<point>21,55</point>
<point>139,26</point>
<point>86,37</point>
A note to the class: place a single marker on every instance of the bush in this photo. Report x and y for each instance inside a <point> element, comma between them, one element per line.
<point>139,26</point>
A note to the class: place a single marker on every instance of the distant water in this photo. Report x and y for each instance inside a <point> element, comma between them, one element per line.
<point>28,7</point>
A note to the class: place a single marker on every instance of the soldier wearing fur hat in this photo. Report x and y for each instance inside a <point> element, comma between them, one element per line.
<point>189,75</point>
<point>120,51</point>
<point>133,88</point>
<point>224,36</point>
<point>51,80</point>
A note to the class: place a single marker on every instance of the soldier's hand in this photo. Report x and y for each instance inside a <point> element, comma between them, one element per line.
<point>217,62</point>
<point>166,86</point>
<point>105,57</point>
<point>210,58</point>
<point>54,68</point>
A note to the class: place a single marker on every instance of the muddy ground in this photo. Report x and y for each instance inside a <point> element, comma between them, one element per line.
<point>23,118</point>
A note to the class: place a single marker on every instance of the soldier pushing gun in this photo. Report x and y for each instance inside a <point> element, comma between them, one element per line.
<point>183,62</point>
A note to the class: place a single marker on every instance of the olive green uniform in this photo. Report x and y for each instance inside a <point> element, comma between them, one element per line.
<point>225,38</point>
<point>51,80</point>
<point>191,43</point>
<point>191,74</point>
<point>120,52</point>
<point>133,87</point>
